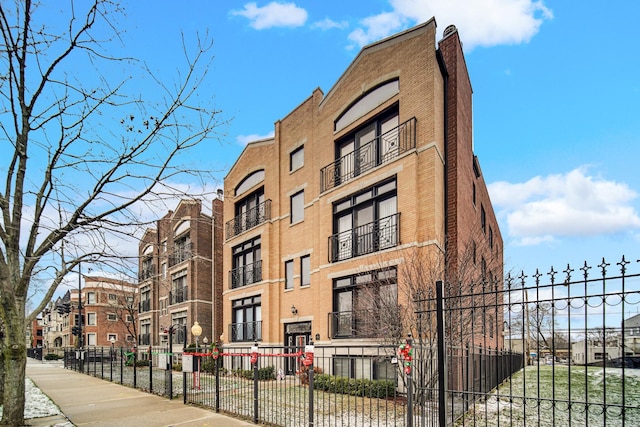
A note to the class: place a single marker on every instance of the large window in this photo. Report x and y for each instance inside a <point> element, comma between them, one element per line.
<point>364,368</point>
<point>247,264</point>
<point>365,222</point>
<point>366,305</point>
<point>297,207</point>
<point>145,300</point>
<point>247,319</point>
<point>147,271</point>
<point>181,250</point>
<point>179,287</point>
<point>368,146</point>
<point>249,212</point>
<point>179,322</point>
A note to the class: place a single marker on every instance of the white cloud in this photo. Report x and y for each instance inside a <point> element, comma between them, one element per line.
<point>377,27</point>
<point>567,205</point>
<point>273,15</point>
<point>245,139</point>
<point>480,22</point>
<point>328,24</point>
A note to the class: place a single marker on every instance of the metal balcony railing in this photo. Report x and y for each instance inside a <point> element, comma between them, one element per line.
<point>245,275</point>
<point>180,254</point>
<point>147,272</point>
<point>177,296</point>
<point>144,339</point>
<point>247,331</point>
<point>249,219</point>
<point>382,149</point>
<point>145,306</point>
<point>373,237</point>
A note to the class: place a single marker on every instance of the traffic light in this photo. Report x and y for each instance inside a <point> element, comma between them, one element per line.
<point>60,310</point>
<point>75,330</point>
<point>67,307</point>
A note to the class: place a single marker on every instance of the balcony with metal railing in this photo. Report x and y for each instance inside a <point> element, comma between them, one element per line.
<point>246,331</point>
<point>382,149</point>
<point>249,219</point>
<point>245,275</point>
<point>373,237</point>
<point>144,339</point>
<point>147,272</point>
<point>180,254</point>
<point>176,296</point>
<point>145,306</point>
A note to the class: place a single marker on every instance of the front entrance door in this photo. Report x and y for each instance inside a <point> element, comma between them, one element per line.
<point>296,336</point>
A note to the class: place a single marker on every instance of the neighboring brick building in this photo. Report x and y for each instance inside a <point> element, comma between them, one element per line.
<point>108,311</point>
<point>322,219</point>
<point>176,275</point>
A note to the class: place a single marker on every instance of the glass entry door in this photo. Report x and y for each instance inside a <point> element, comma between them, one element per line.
<point>296,336</point>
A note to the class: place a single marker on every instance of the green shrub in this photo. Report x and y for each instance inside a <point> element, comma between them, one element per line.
<point>264,374</point>
<point>209,365</point>
<point>354,387</point>
<point>140,363</point>
<point>177,367</point>
<point>52,356</point>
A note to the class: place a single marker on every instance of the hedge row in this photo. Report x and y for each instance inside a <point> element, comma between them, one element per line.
<point>354,387</point>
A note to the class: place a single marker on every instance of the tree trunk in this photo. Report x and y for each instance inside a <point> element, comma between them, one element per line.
<point>14,352</point>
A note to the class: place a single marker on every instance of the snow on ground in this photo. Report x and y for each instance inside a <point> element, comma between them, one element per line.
<point>38,404</point>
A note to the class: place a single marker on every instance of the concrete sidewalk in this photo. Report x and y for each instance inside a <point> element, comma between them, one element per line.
<point>86,400</point>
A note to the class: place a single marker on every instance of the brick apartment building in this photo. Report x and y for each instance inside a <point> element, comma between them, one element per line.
<point>108,312</point>
<point>177,278</point>
<point>322,220</point>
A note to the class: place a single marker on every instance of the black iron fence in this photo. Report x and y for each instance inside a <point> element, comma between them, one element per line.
<point>560,351</point>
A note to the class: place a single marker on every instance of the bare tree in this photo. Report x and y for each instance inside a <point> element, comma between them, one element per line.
<point>80,154</point>
<point>474,307</point>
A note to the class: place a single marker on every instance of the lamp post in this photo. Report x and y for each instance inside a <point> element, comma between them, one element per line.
<point>205,341</point>
<point>196,331</point>
<point>112,340</point>
<point>80,340</point>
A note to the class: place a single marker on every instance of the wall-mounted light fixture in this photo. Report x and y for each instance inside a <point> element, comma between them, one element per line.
<point>317,337</point>
<point>294,310</point>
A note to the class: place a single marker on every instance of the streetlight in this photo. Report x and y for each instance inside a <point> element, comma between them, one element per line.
<point>196,331</point>
<point>205,340</point>
<point>112,340</point>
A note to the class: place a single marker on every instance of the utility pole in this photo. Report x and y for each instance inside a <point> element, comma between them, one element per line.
<point>80,340</point>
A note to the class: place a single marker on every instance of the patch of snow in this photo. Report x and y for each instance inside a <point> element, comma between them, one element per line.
<point>38,405</point>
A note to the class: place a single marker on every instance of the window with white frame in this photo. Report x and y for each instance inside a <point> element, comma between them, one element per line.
<point>91,297</point>
<point>92,339</point>
<point>113,297</point>
<point>91,319</point>
<point>112,316</point>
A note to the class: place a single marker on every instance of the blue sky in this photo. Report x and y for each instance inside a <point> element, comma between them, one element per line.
<point>556,98</point>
